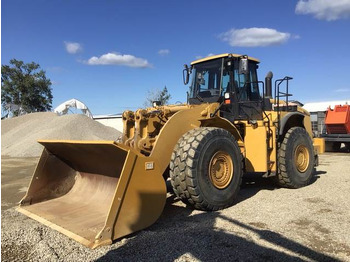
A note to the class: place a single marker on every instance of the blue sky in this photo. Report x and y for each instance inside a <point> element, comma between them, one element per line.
<point>109,54</point>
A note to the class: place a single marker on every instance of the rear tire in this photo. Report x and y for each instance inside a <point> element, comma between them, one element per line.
<point>296,159</point>
<point>206,168</point>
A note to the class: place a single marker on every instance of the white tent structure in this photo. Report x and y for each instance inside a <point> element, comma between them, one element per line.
<point>63,108</point>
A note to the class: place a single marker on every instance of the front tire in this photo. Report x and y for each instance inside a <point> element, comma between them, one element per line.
<point>206,168</point>
<point>296,159</point>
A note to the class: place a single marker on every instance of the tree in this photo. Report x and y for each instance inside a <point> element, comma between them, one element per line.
<point>25,87</point>
<point>162,96</point>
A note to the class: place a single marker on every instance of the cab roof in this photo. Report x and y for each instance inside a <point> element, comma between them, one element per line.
<point>221,56</point>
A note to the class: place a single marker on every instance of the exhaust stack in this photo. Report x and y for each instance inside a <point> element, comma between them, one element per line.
<point>268,85</point>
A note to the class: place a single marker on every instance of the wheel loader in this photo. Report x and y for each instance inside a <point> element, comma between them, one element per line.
<point>99,191</point>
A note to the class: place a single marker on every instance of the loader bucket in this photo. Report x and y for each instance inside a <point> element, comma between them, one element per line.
<point>94,192</point>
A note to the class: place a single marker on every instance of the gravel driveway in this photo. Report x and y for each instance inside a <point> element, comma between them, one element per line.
<point>266,224</point>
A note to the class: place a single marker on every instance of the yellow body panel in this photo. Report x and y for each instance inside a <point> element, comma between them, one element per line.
<point>256,147</point>
<point>221,56</point>
<point>320,145</point>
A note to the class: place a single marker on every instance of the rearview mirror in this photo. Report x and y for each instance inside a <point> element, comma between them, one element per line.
<point>243,65</point>
<point>186,74</point>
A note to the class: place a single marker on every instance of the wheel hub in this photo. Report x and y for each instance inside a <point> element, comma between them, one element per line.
<point>221,169</point>
<point>302,158</point>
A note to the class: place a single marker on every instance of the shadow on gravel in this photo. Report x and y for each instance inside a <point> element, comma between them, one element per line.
<point>252,183</point>
<point>317,175</point>
<point>178,233</point>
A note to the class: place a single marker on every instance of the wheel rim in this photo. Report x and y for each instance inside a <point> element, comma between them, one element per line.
<point>302,158</point>
<point>221,169</point>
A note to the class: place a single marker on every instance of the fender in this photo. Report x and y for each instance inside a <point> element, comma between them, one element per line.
<point>296,117</point>
<point>180,123</point>
<point>227,125</point>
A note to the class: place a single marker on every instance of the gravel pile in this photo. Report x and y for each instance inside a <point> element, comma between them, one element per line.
<point>19,135</point>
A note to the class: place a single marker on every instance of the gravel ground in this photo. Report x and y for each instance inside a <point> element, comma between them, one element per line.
<point>265,224</point>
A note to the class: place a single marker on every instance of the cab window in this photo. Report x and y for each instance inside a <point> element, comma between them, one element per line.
<point>207,79</point>
<point>247,86</point>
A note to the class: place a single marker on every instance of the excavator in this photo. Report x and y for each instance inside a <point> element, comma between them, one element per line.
<point>232,125</point>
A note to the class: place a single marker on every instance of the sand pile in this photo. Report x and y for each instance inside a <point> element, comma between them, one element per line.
<point>19,135</point>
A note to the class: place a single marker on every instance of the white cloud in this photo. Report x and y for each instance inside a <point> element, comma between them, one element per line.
<point>164,52</point>
<point>254,37</point>
<point>342,90</point>
<point>119,59</point>
<point>73,48</point>
<point>324,9</point>
<point>200,57</point>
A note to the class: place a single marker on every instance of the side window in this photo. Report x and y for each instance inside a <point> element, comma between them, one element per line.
<point>254,87</point>
<point>225,83</point>
<point>247,91</point>
<point>240,84</point>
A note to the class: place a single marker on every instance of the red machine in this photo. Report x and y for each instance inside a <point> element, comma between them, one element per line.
<point>338,120</point>
<point>338,127</point>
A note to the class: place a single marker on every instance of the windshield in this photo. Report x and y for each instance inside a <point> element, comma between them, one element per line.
<point>210,80</point>
<point>206,80</point>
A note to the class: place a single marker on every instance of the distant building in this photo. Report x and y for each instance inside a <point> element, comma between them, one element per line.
<point>323,106</point>
<point>114,121</point>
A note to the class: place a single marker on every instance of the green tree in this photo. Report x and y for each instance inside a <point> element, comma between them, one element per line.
<point>163,96</point>
<point>26,87</point>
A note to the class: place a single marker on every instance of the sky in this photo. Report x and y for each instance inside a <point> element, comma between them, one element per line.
<point>111,54</point>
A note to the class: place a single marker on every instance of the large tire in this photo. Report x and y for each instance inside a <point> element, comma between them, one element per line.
<point>206,168</point>
<point>296,159</point>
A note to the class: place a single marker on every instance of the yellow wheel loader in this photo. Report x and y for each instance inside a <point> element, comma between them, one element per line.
<point>96,192</point>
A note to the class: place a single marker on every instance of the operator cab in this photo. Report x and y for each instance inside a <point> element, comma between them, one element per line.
<point>230,75</point>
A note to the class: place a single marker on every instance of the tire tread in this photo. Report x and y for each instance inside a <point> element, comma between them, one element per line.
<point>284,177</point>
